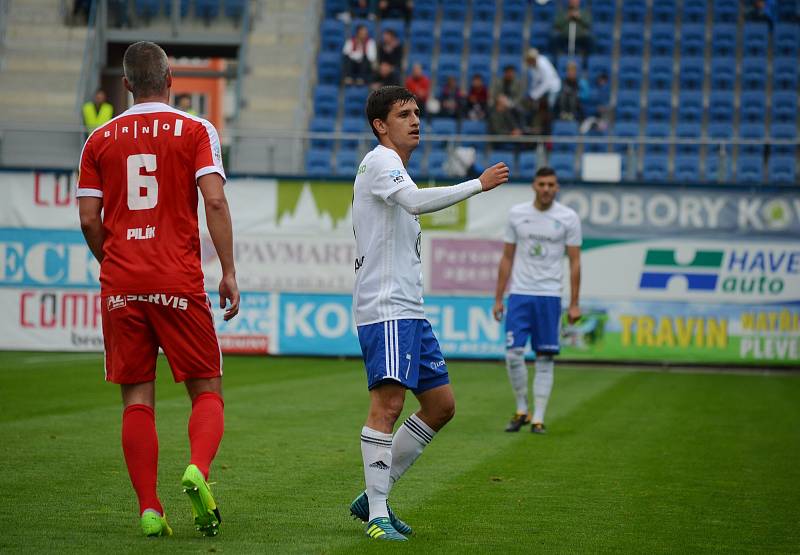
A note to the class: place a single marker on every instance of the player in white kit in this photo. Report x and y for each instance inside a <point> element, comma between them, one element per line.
<point>536,237</point>
<point>399,348</point>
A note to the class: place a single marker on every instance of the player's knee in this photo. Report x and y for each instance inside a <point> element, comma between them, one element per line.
<point>545,357</point>
<point>515,356</point>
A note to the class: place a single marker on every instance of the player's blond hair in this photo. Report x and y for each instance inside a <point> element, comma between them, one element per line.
<point>146,68</point>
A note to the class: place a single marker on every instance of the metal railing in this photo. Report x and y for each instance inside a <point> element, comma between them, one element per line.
<point>93,58</point>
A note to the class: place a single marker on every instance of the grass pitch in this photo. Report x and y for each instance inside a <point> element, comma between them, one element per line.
<point>635,462</point>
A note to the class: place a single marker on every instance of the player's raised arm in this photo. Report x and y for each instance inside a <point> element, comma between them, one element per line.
<point>423,201</point>
<point>218,219</point>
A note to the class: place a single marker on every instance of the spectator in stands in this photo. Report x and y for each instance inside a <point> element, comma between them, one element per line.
<point>395,9</point>
<point>358,9</point>
<point>761,10</point>
<point>581,20</point>
<point>477,99</point>
<point>360,55</point>
<point>385,76</point>
<point>595,99</point>
<point>97,112</point>
<point>390,49</point>
<point>509,85</point>
<point>543,88</point>
<point>451,99</point>
<point>568,104</point>
<point>503,121</point>
<point>184,104</point>
<point>419,84</point>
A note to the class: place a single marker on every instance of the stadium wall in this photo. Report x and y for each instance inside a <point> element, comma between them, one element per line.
<point>675,276</point>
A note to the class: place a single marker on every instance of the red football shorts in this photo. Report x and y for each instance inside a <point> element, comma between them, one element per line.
<point>135,326</point>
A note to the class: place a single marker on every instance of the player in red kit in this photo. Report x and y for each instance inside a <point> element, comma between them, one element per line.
<point>137,193</point>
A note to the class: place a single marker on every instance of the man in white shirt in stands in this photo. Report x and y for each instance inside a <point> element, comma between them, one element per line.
<point>543,79</point>
<point>537,236</point>
<point>399,348</point>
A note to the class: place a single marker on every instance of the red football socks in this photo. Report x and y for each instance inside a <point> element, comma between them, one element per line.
<point>140,445</point>
<point>206,425</point>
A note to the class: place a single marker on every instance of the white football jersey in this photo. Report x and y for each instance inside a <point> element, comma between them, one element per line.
<point>388,283</point>
<point>541,239</point>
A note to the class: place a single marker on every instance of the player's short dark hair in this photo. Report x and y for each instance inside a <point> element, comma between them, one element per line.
<point>380,103</point>
<point>146,68</point>
<point>510,66</point>
<point>545,171</point>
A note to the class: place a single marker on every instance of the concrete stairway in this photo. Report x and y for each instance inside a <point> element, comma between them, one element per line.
<point>41,64</point>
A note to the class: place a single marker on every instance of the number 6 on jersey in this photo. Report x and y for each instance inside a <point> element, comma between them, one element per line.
<point>142,189</point>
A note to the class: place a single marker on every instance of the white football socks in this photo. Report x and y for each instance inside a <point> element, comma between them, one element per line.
<point>518,375</point>
<point>407,445</point>
<point>542,386</point>
<point>376,451</point>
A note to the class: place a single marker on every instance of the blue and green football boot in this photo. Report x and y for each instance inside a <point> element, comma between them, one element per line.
<point>359,508</point>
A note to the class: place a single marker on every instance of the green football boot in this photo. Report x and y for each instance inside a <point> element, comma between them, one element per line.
<point>381,529</point>
<point>204,509</point>
<point>155,525</point>
<point>359,508</point>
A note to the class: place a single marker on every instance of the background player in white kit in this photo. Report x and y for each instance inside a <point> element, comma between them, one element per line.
<point>536,237</point>
<point>399,348</point>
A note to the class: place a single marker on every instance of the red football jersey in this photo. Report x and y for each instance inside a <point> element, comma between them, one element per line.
<point>144,164</point>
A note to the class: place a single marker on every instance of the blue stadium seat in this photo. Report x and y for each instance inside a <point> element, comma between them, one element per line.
<point>756,38</point>
<point>425,10</point>
<point>783,131</point>
<point>662,40</point>
<point>723,41</point>
<point>563,128</point>
<point>657,130</point>
<point>752,107</point>
<point>723,73</point>
<point>690,106</point>
<point>506,156</point>
<point>754,74</point>
<point>322,125</point>
<point>752,131</point>
<point>660,74</point>
<point>750,169</point>
<point>540,35</point>
<point>352,124</point>
<point>631,41</point>
<point>786,40</point>
<point>396,25</point>
<point>784,74</point>
<point>449,65</point>
<point>630,73</point>
<point>325,106</point>
<point>781,170</point>
<point>147,9</point>
<point>788,10</point>
<point>694,12</point>
<point>603,39</point>
<point>233,8</point>
<point>784,107</point>
<point>318,162</point>
<point>183,8</point>
<point>526,165</point>
<point>693,41</point>
<point>598,64</point>
<point>726,11</point>
<point>454,11</point>
<point>510,41</point>
<point>659,106</point>
<point>444,126</point>
<point>346,163</point>
<point>331,35</point>
<point>664,12</point>
<point>421,44</point>
<point>334,7</point>
<point>436,162</point>
<point>544,12</point>
<point>720,106</point>
<point>628,106</point>
<point>451,39</point>
<point>687,168</point>
<point>206,9</point>
<point>628,130</point>
<point>655,167</point>
<point>484,10</point>
<point>480,65</point>
<point>634,11</point>
<point>691,74</point>
<point>603,11</point>
<point>329,68</point>
<point>509,60</point>
<point>425,60</point>
<point>474,127</point>
<point>481,43</point>
<point>564,165</point>
<point>717,167</point>
<point>720,130</point>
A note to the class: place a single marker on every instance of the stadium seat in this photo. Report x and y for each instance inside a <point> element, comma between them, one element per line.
<point>334,7</point>
<point>687,168</point>
<point>659,106</point>
<point>506,156</point>
<point>425,60</point>
<point>563,164</point>
<point>540,35</point>
<point>593,146</point>
<point>598,64</point>
<point>691,74</point>
<point>436,162</point>
<point>484,10</point>
<point>720,106</point>
<point>322,125</point>
<point>781,170</point>
<point>233,8</point>
<point>543,11</point>
<point>331,35</point>
<point>755,38</point>
<point>329,68</point>
<point>786,40</point>
<point>788,10</point>
<point>396,25</point>
<point>693,12</point>
<point>449,65</point>
<point>184,8</point>
<point>451,39</point>
<point>628,107</point>
<point>662,40</point>
<point>603,39</point>
<point>425,10</point>
<point>718,168</point>
<point>480,65</point>
<point>509,60</point>
<point>750,169</point>
<point>631,41</point>
<point>784,74</point>
<point>526,165</point>
<point>510,41</point>
<point>664,12</point>
<point>627,130</point>
<point>352,124</point>
<point>206,9</point>
<point>564,128</point>
<point>784,107</point>
<point>690,106</point>
<point>443,126</point>
<point>723,41</point>
<point>657,130</point>
<point>473,127</point>
<point>723,73</point>
<point>752,131</point>
<point>318,162</point>
<point>634,11</point>
<point>147,9</point>
<point>454,12</point>
<point>655,167</point>
<point>603,11</point>
<point>783,131</point>
<point>693,41</point>
<point>660,74</point>
<point>514,11</point>
<point>754,74</point>
<point>480,43</point>
<point>630,73</point>
<point>720,130</point>
<point>752,107</point>
<point>725,11</point>
<point>346,163</point>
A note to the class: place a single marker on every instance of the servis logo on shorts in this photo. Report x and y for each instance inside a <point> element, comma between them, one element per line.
<point>114,302</point>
